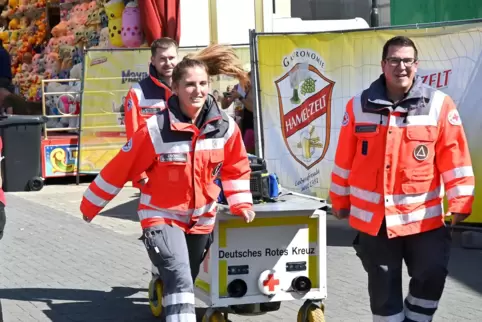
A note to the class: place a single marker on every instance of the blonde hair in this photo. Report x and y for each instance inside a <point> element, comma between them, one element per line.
<point>217,60</point>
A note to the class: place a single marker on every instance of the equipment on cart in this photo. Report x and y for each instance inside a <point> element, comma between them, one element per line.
<point>256,163</point>
<point>252,269</point>
<point>264,186</point>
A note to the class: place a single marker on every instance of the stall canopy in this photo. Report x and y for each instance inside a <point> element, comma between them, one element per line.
<point>161,18</point>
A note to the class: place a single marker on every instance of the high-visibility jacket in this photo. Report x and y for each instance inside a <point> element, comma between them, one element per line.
<point>143,100</point>
<point>392,160</point>
<point>183,161</point>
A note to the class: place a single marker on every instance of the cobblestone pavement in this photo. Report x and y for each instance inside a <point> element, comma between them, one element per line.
<point>55,267</point>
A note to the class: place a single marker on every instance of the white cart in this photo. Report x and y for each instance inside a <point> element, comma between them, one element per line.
<point>280,256</point>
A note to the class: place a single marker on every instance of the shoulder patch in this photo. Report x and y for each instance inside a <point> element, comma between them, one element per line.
<point>454,118</point>
<point>346,119</point>
<point>128,146</point>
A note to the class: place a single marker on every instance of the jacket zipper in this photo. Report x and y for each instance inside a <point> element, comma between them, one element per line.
<point>192,177</point>
<point>194,159</point>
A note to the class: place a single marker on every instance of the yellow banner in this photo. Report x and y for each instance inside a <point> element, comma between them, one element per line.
<point>306,81</point>
<point>108,76</point>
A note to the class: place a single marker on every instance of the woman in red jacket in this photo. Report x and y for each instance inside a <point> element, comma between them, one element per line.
<point>185,146</point>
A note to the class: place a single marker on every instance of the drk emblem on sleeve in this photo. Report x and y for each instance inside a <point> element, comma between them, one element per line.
<point>128,146</point>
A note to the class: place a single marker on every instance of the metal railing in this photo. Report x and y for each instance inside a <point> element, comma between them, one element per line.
<point>71,95</point>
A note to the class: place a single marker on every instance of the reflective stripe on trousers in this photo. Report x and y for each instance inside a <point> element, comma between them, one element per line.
<point>411,303</point>
<point>167,250</point>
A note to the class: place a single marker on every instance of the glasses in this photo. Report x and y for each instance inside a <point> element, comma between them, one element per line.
<point>394,62</point>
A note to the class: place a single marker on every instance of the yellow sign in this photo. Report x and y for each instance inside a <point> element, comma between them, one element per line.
<point>307,80</point>
<point>108,76</point>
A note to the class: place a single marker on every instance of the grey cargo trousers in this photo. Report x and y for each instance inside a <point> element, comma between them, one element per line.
<point>177,257</point>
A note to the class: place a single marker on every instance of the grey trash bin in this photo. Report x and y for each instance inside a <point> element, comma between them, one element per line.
<point>21,166</point>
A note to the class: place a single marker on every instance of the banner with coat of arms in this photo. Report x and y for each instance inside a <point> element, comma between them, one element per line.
<point>306,81</point>
<point>305,115</point>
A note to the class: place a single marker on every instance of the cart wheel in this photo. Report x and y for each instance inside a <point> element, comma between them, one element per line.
<point>313,314</point>
<point>215,317</point>
<point>155,297</point>
<point>35,184</point>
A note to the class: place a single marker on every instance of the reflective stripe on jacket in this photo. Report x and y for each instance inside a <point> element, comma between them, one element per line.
<point>143,100</point>
<point>391,164</point>
<point>183,162</point>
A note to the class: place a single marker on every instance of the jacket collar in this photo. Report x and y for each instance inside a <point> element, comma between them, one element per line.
<point>207,121</point>
<point>156,79</point>
<point>374,99</point>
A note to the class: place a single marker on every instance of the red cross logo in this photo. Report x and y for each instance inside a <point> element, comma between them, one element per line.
<point>271,282</point>
<point>454,118</point>
<point>346,119</point>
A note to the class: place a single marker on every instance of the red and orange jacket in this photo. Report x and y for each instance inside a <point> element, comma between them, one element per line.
<point>393,161</point>
<point>143,100</point>
<point>183,161</point>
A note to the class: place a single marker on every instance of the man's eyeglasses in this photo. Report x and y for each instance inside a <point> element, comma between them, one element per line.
<point>394,61</point>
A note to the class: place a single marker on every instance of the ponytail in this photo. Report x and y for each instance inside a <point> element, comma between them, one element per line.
<point>217,60</point>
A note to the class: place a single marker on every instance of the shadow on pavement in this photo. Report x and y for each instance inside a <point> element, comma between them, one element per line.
<point>466,264</point>
<point>125,211</point>
<point>120,304</point>
<point>339,233</point>
<point>84,305</point>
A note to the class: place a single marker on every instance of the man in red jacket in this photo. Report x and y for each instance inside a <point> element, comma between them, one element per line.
<point>402,146</point>
<point>150,95</point>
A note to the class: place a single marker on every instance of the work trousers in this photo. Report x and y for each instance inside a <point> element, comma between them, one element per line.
<point>426,256</point>
<point>177,257</point>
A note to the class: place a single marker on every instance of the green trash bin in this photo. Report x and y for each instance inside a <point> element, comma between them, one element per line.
<point>21,166</point>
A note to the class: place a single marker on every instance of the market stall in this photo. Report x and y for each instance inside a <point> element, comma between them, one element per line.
<point>83,26</point>
<point>24,29</point>
<point>47,41</point>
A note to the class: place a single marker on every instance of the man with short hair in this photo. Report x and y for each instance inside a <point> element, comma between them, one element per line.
<point>400,141</point>
<point>151,94</point>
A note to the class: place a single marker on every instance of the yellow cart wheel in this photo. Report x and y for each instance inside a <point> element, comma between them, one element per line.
<point>215,317</point>
<point>313,314</point>
<point>155,297</point>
